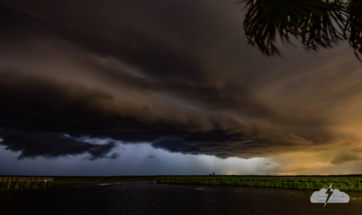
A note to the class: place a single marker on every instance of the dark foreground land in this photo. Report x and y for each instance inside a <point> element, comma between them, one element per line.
<point>300,183</point>
<point>154,198</point>
<point>342,182</point>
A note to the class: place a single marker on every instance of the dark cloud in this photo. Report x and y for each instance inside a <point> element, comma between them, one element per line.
<point>146,72</point>
<point>114,156</point>
<point>46,104</point>
<point>51,145</point>
<point>43,105</point>
<point>40,104</point>
<point>175,145</point>
<point>344,158</point>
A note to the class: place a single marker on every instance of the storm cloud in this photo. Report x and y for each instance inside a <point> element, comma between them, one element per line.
<point>50,145</point>
<point>177,75</point>
<point>345,158</point>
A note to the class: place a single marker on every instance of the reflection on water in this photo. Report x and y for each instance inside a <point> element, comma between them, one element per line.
<point>315,23</point>
<point>153,198</point>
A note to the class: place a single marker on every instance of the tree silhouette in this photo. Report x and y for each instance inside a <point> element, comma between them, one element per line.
<point>316,23</point>
<point>353,27</point>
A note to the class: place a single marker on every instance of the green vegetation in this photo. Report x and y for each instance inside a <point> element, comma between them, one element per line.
<point>109,179</point>
<point>303,183</point>
<point>342,183</point>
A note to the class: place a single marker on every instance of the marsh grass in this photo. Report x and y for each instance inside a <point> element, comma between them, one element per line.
<point>302,183</point>
<point>352,184</point>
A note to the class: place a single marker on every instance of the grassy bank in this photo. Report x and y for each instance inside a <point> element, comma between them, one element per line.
<point>352,184</point>
<point>109,179</point>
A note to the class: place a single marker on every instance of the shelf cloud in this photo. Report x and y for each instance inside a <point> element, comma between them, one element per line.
<point>140,73</point>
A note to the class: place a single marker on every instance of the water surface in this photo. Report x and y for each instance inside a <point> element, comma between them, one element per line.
<point>153,198</point>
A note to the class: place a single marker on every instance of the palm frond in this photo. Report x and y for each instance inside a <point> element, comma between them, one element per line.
<point>314,22</point>
<point>353,27</point>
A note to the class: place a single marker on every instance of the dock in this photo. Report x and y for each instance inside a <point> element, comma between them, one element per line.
<point>25,182</point>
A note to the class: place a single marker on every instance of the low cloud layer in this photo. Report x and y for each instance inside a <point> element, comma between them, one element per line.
<point>51,145</point>
<point>344,158</point>
<point>179,76</point>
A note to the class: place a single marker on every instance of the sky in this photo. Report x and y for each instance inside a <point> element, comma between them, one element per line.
<point>168,88</point>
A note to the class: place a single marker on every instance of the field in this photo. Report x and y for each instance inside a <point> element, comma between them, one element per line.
<point>302,183</point>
